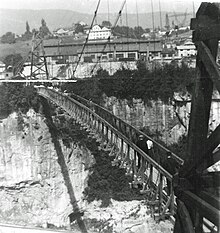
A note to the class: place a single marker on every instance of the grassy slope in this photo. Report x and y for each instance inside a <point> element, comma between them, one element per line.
<point>22,47</point>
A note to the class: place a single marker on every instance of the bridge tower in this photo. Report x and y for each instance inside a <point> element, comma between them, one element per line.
<point>196,189</point>
<point>37,60</point>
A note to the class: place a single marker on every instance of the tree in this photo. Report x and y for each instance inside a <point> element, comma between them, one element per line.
<point>17,97</point>
<point>8,38</point>
<point>27,27</point>
<point>78,28</point>
<point>27,35</point>
<point>138,31</point>
<point>34,31</point>
<point>44,30</point>
<point>106,23</point>
<point>43,23</point>
<point>12,60</point>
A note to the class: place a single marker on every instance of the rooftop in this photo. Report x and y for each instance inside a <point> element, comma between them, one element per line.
<point>118,45</point>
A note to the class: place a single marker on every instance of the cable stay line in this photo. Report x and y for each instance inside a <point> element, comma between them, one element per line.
<point>109,37</point>
<point>87,38</point>
<point>161,25</point>
<point>138,28</point>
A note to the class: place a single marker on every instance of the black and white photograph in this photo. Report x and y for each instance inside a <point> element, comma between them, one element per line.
<point>109,116</point>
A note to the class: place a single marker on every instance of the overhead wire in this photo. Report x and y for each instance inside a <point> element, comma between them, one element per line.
<point>87,38</point>
<point>108,39</point>
<point>138,28</point>
<point>161,25</point>
<point>126,18</point>
<point>153,24</point>
<point>154,66</point>
<point>110,61</point>
<point>126,13</point>
<point>122,44</point>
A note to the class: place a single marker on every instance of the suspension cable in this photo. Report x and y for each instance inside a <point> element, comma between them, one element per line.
<point>138,31</point>
<point>108,40</point>
<point>87,38</point>
<point>161,25</point>
<point>110,63</point>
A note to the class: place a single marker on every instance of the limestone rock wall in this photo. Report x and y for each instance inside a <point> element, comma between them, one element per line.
<point>170,120</point>
<point>87,69</point>
<point>32,189</point>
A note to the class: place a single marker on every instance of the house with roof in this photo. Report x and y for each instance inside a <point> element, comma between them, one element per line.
<point>61,32</point>
<point>5,72</point>
<point>99,33</point>
<point>81,23</point>
<point>2,66</point>
<point>187,50</point>
<point>122,49</point>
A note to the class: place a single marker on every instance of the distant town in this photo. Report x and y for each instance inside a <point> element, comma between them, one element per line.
<point>104,46</point>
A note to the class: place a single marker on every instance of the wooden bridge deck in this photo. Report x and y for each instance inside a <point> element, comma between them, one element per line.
<point>119,138</point>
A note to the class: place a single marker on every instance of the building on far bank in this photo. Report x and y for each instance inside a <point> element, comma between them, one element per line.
<point>2,66</point>
<point>99,33</point>
<point>186,50</point>
<point>116,50</point>
<point>5,73</point>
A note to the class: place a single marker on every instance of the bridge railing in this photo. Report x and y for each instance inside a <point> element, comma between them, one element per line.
<point>114,135</point>
<point>130,131</point>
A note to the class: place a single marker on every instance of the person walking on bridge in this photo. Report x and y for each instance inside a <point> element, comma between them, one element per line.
<point>142,144</point>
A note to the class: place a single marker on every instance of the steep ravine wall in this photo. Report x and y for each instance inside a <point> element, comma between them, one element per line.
<point>33,191</point>
<point>170,120</point>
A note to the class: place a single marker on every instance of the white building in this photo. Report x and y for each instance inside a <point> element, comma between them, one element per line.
<point>5,73</point>
<point>99,33</point>
<point>2,67</point>
<point>186,50</point>
<point>61,32</point>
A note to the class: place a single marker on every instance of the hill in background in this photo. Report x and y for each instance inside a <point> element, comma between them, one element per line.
<point>15,20</point>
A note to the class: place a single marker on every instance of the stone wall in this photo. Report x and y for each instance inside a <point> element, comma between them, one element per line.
<point>170,120</point>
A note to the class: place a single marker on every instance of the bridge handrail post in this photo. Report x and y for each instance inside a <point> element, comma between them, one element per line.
<point>121,140</point>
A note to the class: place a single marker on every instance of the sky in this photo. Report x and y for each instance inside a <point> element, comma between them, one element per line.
<point>88,6</point>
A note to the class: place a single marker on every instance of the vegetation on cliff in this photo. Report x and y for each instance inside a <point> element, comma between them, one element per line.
<point>17,97</point>
<point>105,181</point>
<point>142,83</point>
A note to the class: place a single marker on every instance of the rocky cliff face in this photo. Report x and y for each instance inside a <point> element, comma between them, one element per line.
<point>86,69</point>
<point>170,120</point>
<point>33,191</point>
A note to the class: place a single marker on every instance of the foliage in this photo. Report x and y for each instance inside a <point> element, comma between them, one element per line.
<point>87,89</point>
<point>44,30</point>
<point>142,83</point>
<point>78,28</point>
<point>148,85</point>
<point>138,31</point>
<point>17,97</point>
<point>27,27</point>
<point>12,60</point>
<point>129,32</point>
<point>105,181</point>
<point>27,35</point>
<point>8,38</point>
<point>106,23</point>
